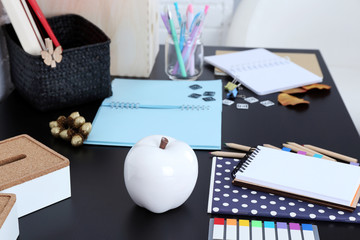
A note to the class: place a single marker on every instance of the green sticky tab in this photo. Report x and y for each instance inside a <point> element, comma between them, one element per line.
<point>255,223</point>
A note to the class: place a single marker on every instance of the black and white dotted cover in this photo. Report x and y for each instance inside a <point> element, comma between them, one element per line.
<point>225,198</point>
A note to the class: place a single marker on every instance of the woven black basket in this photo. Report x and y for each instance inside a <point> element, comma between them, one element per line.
<point>82,76</point>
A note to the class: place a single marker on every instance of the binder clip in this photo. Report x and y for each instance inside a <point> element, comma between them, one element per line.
<point>232,88</point>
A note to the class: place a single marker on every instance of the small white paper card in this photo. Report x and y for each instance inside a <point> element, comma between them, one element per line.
<point>267,103</point>
<point>251,100</point>
<point>228,102</point>
<point>242,106</point>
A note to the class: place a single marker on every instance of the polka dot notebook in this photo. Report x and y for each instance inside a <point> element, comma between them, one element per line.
<point>225,198</point>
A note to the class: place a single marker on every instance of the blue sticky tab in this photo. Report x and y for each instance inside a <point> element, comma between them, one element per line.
<point>318,155</point>
<point>308,227</point>
<point>354,163</point>
<point>268,224</point>
<point>286,149</point>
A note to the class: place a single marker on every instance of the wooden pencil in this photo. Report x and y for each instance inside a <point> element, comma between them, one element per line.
<point>271,146</point>
<point>228,154</point>
<point>332,154</point>
<point>296,148</point>
<point>239,147</point>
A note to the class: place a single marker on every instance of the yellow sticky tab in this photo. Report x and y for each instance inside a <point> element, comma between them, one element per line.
<point>244,223</point>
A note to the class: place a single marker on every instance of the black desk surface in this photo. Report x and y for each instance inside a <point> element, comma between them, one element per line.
<point>100,207</point>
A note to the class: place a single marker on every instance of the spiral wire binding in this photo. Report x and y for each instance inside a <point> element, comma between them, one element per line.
<point>245,161</point>
<point>122,105</point>
<point>127,105</point>
<point>195,107</point>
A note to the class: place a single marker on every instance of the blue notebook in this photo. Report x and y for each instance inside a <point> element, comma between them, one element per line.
<point>225,198</point>
<point>187,111</point>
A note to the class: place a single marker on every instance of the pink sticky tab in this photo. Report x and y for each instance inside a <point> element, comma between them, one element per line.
<point>294,226</point>
<point>301,152</point>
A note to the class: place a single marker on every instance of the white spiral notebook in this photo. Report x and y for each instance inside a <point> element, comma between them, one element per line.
<point>262,71</point>
<point>316,180</point>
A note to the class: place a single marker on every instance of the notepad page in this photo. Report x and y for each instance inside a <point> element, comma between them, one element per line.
<point>262,71</point>
<point>303,175</point>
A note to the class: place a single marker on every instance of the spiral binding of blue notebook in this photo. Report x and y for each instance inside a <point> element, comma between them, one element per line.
<point>225,198</point>
<point>187,111</point>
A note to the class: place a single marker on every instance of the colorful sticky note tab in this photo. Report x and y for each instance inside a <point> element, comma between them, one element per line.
<point>244,223</point>
<point>231,229</point>
<point>219,221</point>
<point>256,229</point>
<point>218,231</point>
<point>307,227</point>
<point>295,231</point>
<point>268,224</point>
<point>318,155</point>
<point>308,232</point>
<point>269,230</point>
<point>282,231</point>
<point>244,229</point>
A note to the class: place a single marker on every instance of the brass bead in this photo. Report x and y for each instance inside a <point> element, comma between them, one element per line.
<point>74,115</point>
<point>85,129</point>
<point>55,131</point>
<point>77,140</point>
<point>79,121</point>
<point>64,134</point>
<point>53,124</point>
<point>61,120</point>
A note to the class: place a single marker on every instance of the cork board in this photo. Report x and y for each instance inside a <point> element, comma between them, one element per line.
<point>7,202</point>
<point>22,158</point>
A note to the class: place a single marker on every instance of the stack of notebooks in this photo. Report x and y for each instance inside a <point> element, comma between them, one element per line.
<point>275,183</point>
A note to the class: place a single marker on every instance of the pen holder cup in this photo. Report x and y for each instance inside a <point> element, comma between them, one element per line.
<point>82,76</point>
<point>187,62</point>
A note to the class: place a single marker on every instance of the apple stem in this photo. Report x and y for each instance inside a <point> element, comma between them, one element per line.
<point>164,142</point>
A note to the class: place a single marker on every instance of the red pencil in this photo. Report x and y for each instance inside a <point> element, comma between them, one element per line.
<point>39,14</point>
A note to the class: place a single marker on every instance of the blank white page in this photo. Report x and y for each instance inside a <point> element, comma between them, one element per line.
<point>303,175</point>
<point>262,71</point>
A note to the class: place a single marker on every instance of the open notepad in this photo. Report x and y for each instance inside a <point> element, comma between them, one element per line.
<point>262,71</point>
<point>140,108</point>
<point>294,175</point>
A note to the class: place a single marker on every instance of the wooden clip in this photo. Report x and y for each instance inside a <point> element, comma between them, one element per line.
<point>51,56</point>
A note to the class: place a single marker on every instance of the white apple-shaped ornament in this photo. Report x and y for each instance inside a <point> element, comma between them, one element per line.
<point>160,173</point>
